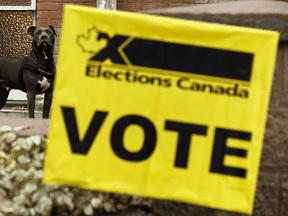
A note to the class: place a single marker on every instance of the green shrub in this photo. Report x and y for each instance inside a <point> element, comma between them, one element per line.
<point>21,172</point>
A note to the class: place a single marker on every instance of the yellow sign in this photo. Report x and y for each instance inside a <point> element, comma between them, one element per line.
<point>160,107</point>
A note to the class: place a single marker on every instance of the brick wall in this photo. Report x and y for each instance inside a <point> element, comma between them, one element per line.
<point>140,5</point>
<point>49,12</point>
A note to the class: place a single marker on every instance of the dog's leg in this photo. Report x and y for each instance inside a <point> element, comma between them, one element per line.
<point>3,97</point>
<point>47,103</point>
<point>31,104</point>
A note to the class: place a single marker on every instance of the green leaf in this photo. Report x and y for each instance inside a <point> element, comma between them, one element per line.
<point>96,202</point>
<point>88,210</point>
<point>44,205</point>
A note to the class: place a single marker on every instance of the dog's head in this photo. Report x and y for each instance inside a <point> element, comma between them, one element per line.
<point>43,37</point>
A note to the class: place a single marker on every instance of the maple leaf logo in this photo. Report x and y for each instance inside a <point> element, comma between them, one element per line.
<point>89,43</point>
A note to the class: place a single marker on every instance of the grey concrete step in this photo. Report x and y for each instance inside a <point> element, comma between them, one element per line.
<point>9,113</point>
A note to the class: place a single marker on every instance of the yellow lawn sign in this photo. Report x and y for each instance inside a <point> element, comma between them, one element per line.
<point>160,107</point>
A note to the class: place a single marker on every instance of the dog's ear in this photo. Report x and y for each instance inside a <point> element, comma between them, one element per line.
<point>30,30</point>
<point>53,29</point>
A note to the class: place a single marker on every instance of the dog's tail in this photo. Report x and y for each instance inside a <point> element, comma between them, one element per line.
<point>3,97</point>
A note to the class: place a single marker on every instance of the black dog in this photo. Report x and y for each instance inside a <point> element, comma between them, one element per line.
<point>33,74</point>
